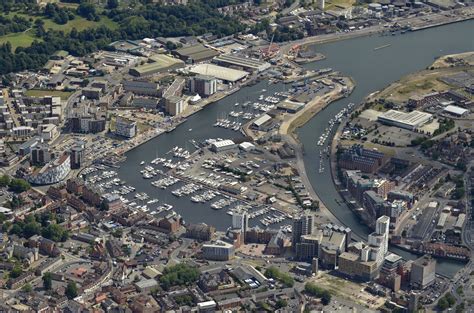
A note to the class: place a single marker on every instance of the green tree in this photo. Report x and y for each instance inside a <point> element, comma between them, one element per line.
<point>55,232</point>
<point>16,271</point>
<point>19,185</point>
<point>71,290</point>
<point>27,288</point>
<point>442,304</point>
<point>112,4</point>
<point>281,303</point>
<point>179,275</point>
<point>4,180</point>
<point>47,281</point>
<point>31,229</point>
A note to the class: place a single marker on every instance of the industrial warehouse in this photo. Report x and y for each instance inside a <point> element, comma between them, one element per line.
<point>159,63</point>
<point>247,64</point>
<point>227,75</point>
<point>411,120</point>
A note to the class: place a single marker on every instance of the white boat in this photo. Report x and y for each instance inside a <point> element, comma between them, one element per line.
<point>142,162</point>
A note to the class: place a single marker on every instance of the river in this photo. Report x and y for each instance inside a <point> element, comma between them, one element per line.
<point>371,70</point>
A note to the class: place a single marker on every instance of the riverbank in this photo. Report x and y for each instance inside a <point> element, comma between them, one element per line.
<point>287,131</point>
<point>313,107</point>
<point>416,23</point>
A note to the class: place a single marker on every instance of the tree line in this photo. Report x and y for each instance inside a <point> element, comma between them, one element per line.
<point>147,21</point>
<point>17,24</point>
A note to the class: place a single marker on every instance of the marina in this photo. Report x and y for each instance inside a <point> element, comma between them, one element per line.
<point>373,71</point>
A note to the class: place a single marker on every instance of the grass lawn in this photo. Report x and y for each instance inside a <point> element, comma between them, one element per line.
<point>19,39</point>
<point>55,93</point>
<point>80,24</point>
<point>25,39</point>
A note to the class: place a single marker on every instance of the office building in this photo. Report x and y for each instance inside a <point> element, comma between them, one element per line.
<point>378,240</point>
<point>423,271</point>
<point>200,231</point>
<point>315,266</point>
<point>40,154</point>
<point>174,105</point>
<point>125,128</point>
<point>204,85</point>
<point>308,247</point>
<point>77,156</point>
<point>413,302</point>
<point>218,251</point>
<point>240,221</point>
<point>302,225</point>
<point>356,266</point>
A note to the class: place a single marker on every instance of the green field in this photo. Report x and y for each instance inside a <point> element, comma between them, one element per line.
<point>80,24</point>
<point>19,39</point>
<point>55,93</point>
<point>26,38</point>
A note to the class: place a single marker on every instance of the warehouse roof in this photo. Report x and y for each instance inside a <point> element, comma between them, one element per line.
<point>223,143</point>
<point>219,72</point>
<point>262,120</point>
<point>160,63</point>
<point>242,61</point>
<point>197,52</point>
<point>452,109</point>
<point>414,118</point>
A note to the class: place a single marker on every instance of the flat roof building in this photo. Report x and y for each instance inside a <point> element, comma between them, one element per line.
<point>225,74</point>
<point>196,53</point>
<point>423,272</point>
<point>411,120</point>
<point>247,64</point>
<point>219,251</point>
<point>455,110</point>
<point>141,87</point>
<point>222,145</point>
<point>159,63</point>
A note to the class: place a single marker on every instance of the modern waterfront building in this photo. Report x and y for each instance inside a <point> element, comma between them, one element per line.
<point>53,172</point>
<point>423,271</point>
<point>174,105</point>
<point>204,85</point>
<point>40,154</point>
<point>218,251</point>
<point>240,221</point>
<point>302,225</point>
<point>77,156</point>
<point>125,128</point>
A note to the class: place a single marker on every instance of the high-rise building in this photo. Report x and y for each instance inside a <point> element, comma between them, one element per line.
<point>378,240</point>
<point>302,225</point>
<point>125,128</point>
<point>174,105</point>
<point>77,156</point>
<point>40,154</point>
<point>423,272</point>
<point>315,266</point>
<point>218,251</point>
<point>240,221</point>
<point>204,85</point>
<point>413,302</point>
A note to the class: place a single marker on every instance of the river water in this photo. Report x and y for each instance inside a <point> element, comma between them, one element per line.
<point>371,70</point>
